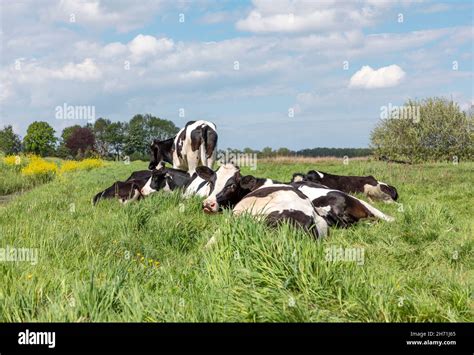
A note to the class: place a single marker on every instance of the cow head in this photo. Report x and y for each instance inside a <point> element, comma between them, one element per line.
<point>227,190</point>
<point>314,176</point>
<point>158,179</point>
<point>161,151</point>
<point>124,191</point>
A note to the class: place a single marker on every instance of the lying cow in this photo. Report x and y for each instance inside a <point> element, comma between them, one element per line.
<point>193,146</point>
<point>124,191</point>
<point>166,179</point>
<point>275,202</point>
<point>282,203</point>
<point>368,185</point>
<point>336,207</point>
<point>143,183</point>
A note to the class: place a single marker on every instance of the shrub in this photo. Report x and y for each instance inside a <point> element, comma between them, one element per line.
<point>12,160</point>
<point>41,168</point>
<point>86,164</point>
<point>439,131</point>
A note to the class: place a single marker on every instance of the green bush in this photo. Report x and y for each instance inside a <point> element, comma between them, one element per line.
<point>436,130</point>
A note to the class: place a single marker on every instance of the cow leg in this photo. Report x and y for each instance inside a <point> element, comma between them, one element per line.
<point>193,161</point>
<point>211,159</point>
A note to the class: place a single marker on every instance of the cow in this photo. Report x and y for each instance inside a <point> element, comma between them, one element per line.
<point>368,185</point>
<point>142,183</point>
<point>193,146</point>
<point>166,179</point>
<point>338,208</point>
<point>124,191</point>
<point>128,190</point>
<point>273,201</point>
<point>280,203</point>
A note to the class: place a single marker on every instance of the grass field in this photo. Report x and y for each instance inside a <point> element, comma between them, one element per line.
<point>149,262</point>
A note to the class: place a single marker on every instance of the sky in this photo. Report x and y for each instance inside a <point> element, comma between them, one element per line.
<point>295,74</point>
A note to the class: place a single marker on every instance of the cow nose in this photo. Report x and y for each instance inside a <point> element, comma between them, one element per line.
<point>210,206</point>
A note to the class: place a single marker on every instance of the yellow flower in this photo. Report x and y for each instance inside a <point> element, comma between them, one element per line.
<point>39,166</point>
<point>86,164</point>
<point>11,160</point>
<point>29,276</point>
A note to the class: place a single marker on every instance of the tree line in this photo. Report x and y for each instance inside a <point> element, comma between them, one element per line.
<point>433,129</point>
<point>103,138</point>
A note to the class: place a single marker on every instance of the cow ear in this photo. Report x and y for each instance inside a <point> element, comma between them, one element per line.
<point>205,173</point>
<point>297,177</point>
<point>159,171</point>
<point>248,182</point>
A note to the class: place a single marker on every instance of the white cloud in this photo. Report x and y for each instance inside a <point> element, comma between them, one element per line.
<point>121,15</point>
<point>384,77</point>
<point>288,16</point>
<point>85,71</point>
<point>143,45</point>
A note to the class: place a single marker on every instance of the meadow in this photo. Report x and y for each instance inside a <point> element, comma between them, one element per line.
<point>151,261</point>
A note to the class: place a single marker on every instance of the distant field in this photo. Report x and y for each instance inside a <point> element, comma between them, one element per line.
<point>149,262</point>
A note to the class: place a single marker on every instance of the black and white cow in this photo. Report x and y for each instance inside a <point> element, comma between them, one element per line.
<point>368,185</point>
<point>283,203</point>
<point>338,208</point>
<point>143,183</point>
<point>124,191</point>
<point>272,201</point>
<point>193,146</point>
<point>166,179</point>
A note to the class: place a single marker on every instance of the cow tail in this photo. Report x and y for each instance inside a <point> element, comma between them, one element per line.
<point>202,149</point>
<point>208,145</point>
<point>97,198</point>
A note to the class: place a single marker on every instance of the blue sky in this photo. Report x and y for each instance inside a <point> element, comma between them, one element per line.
<point>246,66</point>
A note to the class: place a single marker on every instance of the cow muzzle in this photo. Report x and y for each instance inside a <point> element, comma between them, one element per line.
<point>210,207</point>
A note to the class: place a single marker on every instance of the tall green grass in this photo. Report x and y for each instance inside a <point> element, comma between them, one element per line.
<point>149,261</point>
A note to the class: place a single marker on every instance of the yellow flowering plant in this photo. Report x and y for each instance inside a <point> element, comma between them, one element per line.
<point>39,167</point>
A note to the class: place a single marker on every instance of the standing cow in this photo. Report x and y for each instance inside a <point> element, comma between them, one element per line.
<point>194,145</point>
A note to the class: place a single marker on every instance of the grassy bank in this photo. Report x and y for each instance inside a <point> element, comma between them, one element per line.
<point>149,261</point>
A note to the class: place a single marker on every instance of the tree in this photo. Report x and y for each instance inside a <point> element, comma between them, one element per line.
<point>100,132</point>
<point>283,152</point>
<point>137,140</point>
<point>68,131</point>
<point>10,142</point>
<point>115,135</point>
<point>81,139</point>
<point>39,138</point>
<point>267,152</point>
<point>159,128</point>
<point>436,130</point>
<point>62,151</point>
